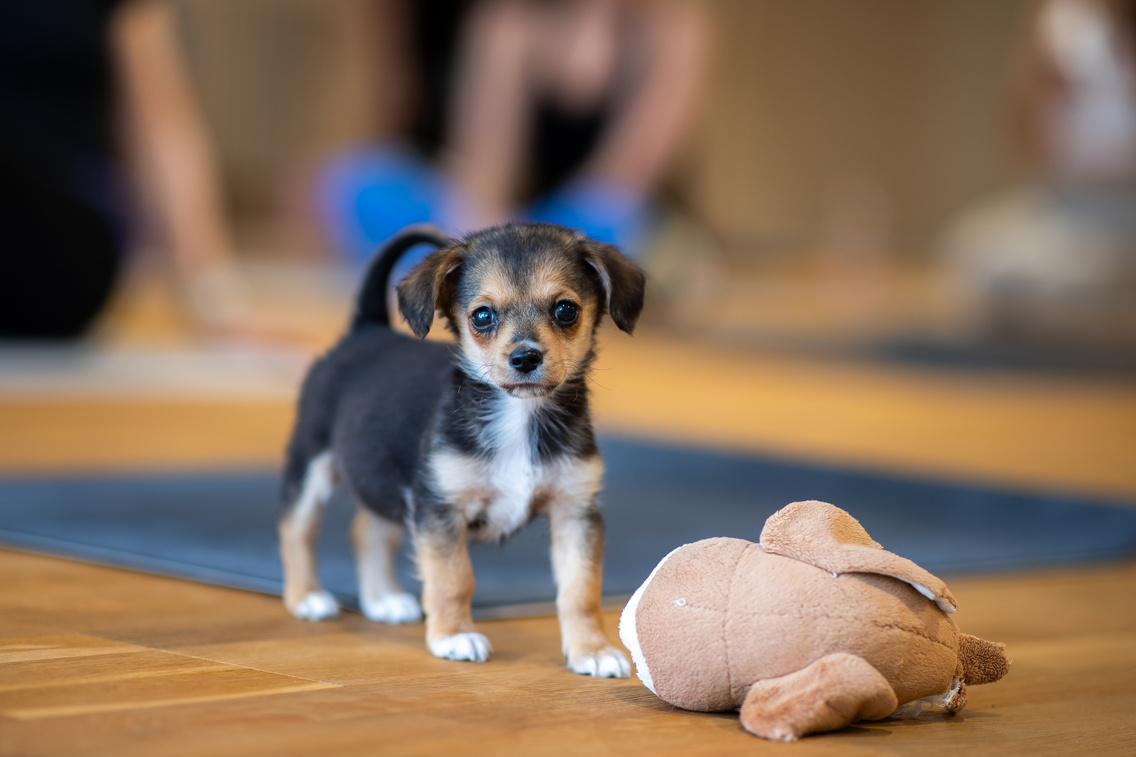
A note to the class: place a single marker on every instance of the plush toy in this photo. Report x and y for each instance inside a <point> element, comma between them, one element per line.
<point>811,629</point>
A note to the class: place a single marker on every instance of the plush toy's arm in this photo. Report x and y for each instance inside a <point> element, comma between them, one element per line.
<point>836,690</point>
<point>982,661</point>
<point>823,535</point>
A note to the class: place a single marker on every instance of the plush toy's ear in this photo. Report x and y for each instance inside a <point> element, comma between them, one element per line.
<point>623,282</point>
<point>429,287</point>
<point>820,534</point>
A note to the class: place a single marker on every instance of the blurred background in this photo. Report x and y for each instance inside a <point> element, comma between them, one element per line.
<point>891,249</point>
<point>927,180</point>
<point>893,235</point>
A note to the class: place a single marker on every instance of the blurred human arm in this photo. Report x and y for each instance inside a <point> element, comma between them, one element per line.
<point>488,130</point>
<point>652,123</point>
<point>168,140</point>
<point>643,62</point>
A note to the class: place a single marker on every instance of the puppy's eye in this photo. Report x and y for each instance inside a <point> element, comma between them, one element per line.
<point>483,318</point>
<point>566,312</point>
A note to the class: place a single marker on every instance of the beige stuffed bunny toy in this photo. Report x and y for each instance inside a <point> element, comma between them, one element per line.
<point>811,629</point>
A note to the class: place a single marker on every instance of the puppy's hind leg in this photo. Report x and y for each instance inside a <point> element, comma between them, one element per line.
<point>298,528</point>
<point>376,541</point>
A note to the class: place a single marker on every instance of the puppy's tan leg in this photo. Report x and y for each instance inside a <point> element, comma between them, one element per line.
<point>376,541</point>
<point>577,564</point>
<point>298,528</point>
<point>447,589</point>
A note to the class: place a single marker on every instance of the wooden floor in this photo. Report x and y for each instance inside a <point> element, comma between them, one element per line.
<point>102,661</point>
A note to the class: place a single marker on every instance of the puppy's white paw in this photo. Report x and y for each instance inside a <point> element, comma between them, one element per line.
<point>606,663</point>
<point>319,605</point>
<point>462,646</point>
<point>393,608</point>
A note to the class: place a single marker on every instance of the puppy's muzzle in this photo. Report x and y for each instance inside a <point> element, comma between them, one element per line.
<point>526,359</point>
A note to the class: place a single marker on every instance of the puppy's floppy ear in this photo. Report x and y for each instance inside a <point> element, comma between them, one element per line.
<point>429,287</point>
<point>623,282</point>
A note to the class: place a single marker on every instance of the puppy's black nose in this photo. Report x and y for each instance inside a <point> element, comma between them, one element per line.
<point>525,359</point>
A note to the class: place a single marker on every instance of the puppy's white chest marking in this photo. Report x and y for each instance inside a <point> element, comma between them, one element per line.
<point>501,491</point>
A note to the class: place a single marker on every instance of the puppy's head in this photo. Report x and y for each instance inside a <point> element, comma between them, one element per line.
<point>524,301</point>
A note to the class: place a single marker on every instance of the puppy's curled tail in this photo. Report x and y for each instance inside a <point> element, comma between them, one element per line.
<point>371,304</point>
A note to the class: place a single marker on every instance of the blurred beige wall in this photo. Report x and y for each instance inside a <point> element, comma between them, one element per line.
<point>812,102</point>
<point>811,96</point>
<point>283,84</point>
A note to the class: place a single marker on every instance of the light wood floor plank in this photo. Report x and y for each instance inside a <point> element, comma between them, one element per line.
<point>210,670</point>
<point>1047,432</point>
<point>97,661</point>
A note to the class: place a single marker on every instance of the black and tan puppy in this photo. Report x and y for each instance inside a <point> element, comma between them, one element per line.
<point>465,441</point>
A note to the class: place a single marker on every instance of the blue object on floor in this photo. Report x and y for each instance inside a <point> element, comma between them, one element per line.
<point>604,210</point>
<point>220,528</point>
<point>368,194</point>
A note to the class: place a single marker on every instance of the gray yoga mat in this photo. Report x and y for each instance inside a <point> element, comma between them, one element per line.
<point>220,527</point>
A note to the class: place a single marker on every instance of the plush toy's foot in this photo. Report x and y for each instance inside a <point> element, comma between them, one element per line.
<point>834,691</point>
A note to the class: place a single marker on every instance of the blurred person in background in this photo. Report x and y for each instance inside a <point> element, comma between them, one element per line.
<point>1054,263</point>
<point>565,111</point>
<point>83,84</point>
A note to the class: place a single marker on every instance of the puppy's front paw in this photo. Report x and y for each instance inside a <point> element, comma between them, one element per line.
<point>393,608</point>
<point>319,605</point>
<point>608,662</point>
<point>462,646</point>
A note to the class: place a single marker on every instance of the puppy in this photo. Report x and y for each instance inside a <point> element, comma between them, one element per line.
<point>472,440</point>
